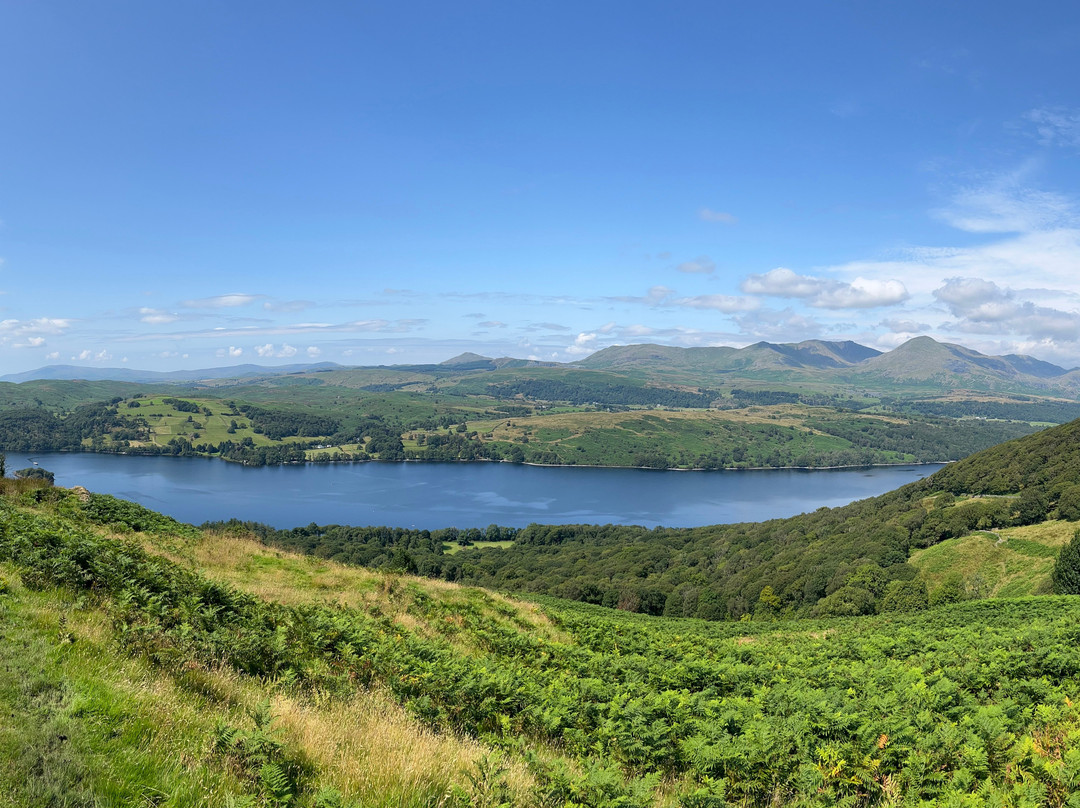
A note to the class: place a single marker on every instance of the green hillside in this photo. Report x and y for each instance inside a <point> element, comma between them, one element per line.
<point>148,662</point>
<point>809,404</point>
<point>1022,497</point>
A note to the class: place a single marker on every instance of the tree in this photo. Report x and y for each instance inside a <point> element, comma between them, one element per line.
<point>905,596</point>
<point>3,464</point>
<point>1066,573</point>
<point>35,473</point>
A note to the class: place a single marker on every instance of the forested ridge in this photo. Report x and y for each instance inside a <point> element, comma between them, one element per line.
<point>810,437</point>
<point>841,561</point>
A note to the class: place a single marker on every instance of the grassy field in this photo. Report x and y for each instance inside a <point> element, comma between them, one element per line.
<point>1010,562</point>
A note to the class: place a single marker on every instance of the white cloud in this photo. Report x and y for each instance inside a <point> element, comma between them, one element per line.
<point>52,355</point>
<point>48,326</point>
<point>584,344</point>
<point>862,293</point>
<point>492,324</point>
<point>824,293</point>
<point>87,355</point>
<point>701,265</point>
<point>313,351</point>
<point>232,352</point>
<point>782,282</point>
<point>983,307</point>
<point>269,351</point>
<point>716,216</point>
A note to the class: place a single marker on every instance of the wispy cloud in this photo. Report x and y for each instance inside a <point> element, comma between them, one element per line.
<point>900,326</point>
<point>156,316</point>
<point>287,306</point>
<point>701,265</point>
<point>655,296</point>
<point>222,301</point>
<point>39,325</point>
<point>1007,206</point>
<point>723,303</point>
<point>369,326</point>
<point>1055,126</point>
<point>719,216</point>
<point>785,325</point>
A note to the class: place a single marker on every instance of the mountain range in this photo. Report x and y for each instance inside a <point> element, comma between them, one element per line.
<point>73,372</point>
<point>921,363</point>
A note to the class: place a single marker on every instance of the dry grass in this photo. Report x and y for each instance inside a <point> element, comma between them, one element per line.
<point>376,754</point>
<point>365,746</point>
<point>294,579</point>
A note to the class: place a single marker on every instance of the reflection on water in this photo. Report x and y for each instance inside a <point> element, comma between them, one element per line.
<point>434,495</point>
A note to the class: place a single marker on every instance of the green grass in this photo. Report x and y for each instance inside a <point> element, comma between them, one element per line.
<point>1011,562</point>
<point>368,682</point>
<point>167,422</point>
<point>451,549</point>
<point>81,725</point>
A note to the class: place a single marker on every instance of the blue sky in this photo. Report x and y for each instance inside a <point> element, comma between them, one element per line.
<point>194,184</point>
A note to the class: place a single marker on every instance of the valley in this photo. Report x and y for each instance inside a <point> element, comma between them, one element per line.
<point>216,665</point>
<point>813,405</point>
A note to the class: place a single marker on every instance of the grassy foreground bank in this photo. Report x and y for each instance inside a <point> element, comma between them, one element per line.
<point>147,662</point>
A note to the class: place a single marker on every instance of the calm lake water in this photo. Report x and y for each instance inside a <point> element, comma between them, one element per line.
<point>435,495</point>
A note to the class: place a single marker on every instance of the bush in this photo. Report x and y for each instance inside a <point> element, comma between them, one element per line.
<point>905,596</point>
<point>1066,573</point>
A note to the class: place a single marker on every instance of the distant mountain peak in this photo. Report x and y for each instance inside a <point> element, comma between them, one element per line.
<point>466,358</point>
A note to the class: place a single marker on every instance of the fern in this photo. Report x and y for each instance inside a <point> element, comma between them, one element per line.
<point>276,784</point>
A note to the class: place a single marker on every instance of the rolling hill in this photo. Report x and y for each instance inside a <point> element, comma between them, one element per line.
<point>145,661</point>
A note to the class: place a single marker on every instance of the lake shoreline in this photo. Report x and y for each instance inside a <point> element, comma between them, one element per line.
<point>433,494</point>
<point>484,460</point>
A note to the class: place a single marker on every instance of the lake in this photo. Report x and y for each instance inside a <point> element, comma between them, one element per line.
<point>435,495</point>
